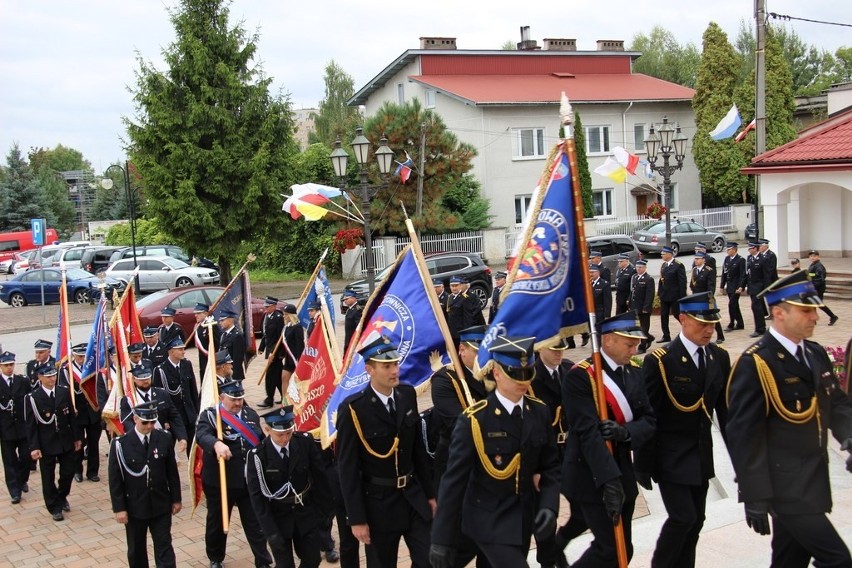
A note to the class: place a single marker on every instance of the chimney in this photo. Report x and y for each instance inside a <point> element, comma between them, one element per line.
<point>527,44</point>
<point>610,45</point>
<point>437,43</point>
<point>560,44</point>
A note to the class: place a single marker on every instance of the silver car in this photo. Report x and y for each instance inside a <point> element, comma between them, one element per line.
<point>685,234</point>
<point>162,273</point>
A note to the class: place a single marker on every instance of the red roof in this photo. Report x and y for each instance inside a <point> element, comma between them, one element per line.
<point>528,89</point>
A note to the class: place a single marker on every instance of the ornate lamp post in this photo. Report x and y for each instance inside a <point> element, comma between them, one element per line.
<point>107,183</point>
<point>384,157</point>
<point>666,141</point>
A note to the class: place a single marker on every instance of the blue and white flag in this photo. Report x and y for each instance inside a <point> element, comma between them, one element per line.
<point>546,289</point>
<point>319,287</point>
<point>728,126</point>
<point>97,351</point>
<point>399,309</point>
<point>237,298</point>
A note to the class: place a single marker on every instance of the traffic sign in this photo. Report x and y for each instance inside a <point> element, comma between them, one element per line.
<point>39,228</point>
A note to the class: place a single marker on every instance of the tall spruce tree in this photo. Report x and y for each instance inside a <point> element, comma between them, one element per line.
<point>21,196</point>
<point>335,118</point>
<point>583,166</point>
<point>210,143</point>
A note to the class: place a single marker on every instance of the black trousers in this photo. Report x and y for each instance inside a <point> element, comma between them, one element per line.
<point>601,553</point>
<point>685,505</point>
<point>620,305</point>
<point>16,464</point>
<point>667,308</point>
<point>734,312</point>
<point>306,545</point>
<point>720,333</point>
<point>90,449</point>
<point>825,309</point>
<point>505,555</point>
<point>350,552</point>
<point>272,381</point>
<point>798,538</point>
<point>383,550</point>
<point>161,535</point>
<point>55,493</point>
<point>575,526</point>
<point>645,324</point>
<point>216,541</point>
<point>758,311</point>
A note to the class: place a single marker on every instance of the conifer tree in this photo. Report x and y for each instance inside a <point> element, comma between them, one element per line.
<point>21,196</point>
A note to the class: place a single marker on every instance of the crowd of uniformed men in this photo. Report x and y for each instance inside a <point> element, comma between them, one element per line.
<point>500,447</point>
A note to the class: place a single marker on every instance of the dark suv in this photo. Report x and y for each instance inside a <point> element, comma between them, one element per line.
<point>96,258</point>
<point>444,265</point>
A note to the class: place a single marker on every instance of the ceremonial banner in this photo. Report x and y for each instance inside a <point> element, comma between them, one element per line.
<point>237,298</point>
<point>63,332</point>
<point>313,381</point>
<point>97,356</point>
<point>320,287</point>
<point>208,397</point>
<point>126,311</point>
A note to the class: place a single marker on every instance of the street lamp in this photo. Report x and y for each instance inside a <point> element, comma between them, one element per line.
<point>107,183</point>
<point>667,141</point>
<point>384,157</point>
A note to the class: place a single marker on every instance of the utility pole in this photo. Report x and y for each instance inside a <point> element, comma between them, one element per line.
<point>420,167</point>
<point>759,99</point>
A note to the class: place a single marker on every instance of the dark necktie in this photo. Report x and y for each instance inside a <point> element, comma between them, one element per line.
<point>53,397</point>
<point>285,457</point>
<point>392,408</point>
<point>618,377</point>
<point>555,375</point>
<point>702,365</point>
<point>800,355</point>
<point>145,445</point>
<point>146,397</point>
<point>518,418</point>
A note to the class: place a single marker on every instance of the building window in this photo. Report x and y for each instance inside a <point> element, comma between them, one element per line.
<point>597,139</point>
<point>602,201</point>
<point>522,205</point>
<point>430,98</point>
<point>400,93</point>
<point>528,143</point>
<point>639,137</point>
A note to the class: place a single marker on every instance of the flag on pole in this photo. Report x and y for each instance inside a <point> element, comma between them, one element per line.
<point>237,298</point>
<point>97,356</point>
<point>319,286</point>
<point>313,380</point>
<point>127,312</point>
<point>728,126</point>
<point>63,332</point>
<point>749,127</point>
<point>613,170</point>
<point>403,169</point>
<point>626,159</point>
<point>208,397</point>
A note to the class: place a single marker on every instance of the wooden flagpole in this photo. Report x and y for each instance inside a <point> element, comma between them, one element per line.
<point>66,339</point>
<point>223,482</point>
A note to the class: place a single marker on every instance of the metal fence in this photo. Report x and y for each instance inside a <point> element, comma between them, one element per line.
<point>463,241</point>
<point>625,225</point>
<point>718,219</point>
<point>379,259</point>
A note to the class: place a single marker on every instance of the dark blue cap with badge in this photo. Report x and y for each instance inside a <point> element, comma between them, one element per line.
<point>232,389</point>
<point>700,254</point>
<point>437,282</point>
<point>146,411</point>
<point>473,335</point>
<point>142,372</point>
<point>7,357</point>
<point>270,301</point>
<point>201,308</point>
<point>349,294</point>
<point>701,307</point>
<point>458,280</point>
<point>42,345</point>
<point>168,312</point>
<point>48,370</point>
<point>136,348</point>
<point>150,331</point>
<point>641,262</point>
<point>381,349</point>
<point>763,241</point>
<point>626,324</point>
<point>594,268</point>
<point>176,343</point>
<point>515,356</point>
<point>795,288</point>
<point>79,349</point>
<point>731,245</point>
<point>753,244</point>
<point>700,246</point>
<point>223,357</point>
<point>667,250</point>
<point>314,306</point>
<point>280,419</point>
<point>290,309</point>
<point>500,275</point>
<point>225,314</point>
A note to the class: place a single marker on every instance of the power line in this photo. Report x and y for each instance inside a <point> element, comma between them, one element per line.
<point>788,18</point>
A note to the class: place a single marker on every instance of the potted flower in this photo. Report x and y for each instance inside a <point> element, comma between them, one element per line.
<point>348,239</point>
<point>655,210</point>
<point>838,361</point>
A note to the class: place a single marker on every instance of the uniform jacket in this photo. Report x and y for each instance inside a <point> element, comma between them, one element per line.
<point>51,427</point>
<point>294,337</point>
<point>672,286</point>
<point>149,495</point>
<point>818,275</point>
<point>385,508</point>
<point>769,263</point>
<point>495,304</point>
<point>12,422</point>
<point>756,278</point>
<point>588,463</point>
<point>156,354</point>
<point>703,280</point>
<point>606,273</point>
<point>681,451</point>
<point>273,325</point>
<point>491,510</point>
<point>86,415</point>
<point>623,280</point>
<point>549,390</point>
<point>202,343</point>
<point>463,312</point>
<point>235,342</point>
<point>733,274</point>
<point>169,417</point>
<point>32,365</point>
<point>169,334</point>
<point>307,477</point>
<point>775,459</point>
<point>179,383</point>
<point>350,324</point>
<point>205,435</point>
<point>642,293</point>
<point>603,298</point>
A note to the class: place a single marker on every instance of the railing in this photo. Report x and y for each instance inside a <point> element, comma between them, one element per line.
<point>379,259</point>
<point>718,219</point>
<point>626,225</point>
<point>464,241</point>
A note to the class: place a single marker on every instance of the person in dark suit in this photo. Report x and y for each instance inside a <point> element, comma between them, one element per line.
<point>233,341</point>
<point>783,396</point>
<point>154,351</point>
<point>441,292</point>
<point>385,473</point>
<point>603,483</point>
<point>13,433</point>
<point>135,352</point>
<point>704,280</point>
<point>642,292</point>
<point>769,262</point>
<point>288,490</point>
<point>499,282</point>
<point>273,326</point>
<point>462,308</point>
<point>314,311</point>
<point>169,330</point>
<point>353,312</point>
<point>818,274</point>
<point>292,344</point>
<point>202,338</point>
<point>499,446</point>
<point>755,283</point>
<point>88,418</point>
<point>169,417</point>
<point>733,284</point>
<point>241,432</point>
<point>42,356</point>
<point>602,293</point>
<point>596,258</point>
<point>623,282</point>
<point>144,488</point>
<point>686,382</point>
<point>709,259</point>
<point>53,438</point>
<point>671,288</point>
<point>176,377</point>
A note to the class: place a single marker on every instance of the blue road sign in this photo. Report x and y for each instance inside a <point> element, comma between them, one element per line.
<point>39,228</point>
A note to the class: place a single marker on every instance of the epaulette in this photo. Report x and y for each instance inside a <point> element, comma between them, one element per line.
<point>303,434</point>
<point>584,364</point>
<point>659,352</point>
<point>464,295</point>
<point>475,407</point>
<point>751,350</point>
<point>534,399</point>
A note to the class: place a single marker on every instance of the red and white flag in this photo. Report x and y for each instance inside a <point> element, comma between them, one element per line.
<point>313,381</point>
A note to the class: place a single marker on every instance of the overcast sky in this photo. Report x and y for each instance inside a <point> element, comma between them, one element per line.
<point>65,66</point>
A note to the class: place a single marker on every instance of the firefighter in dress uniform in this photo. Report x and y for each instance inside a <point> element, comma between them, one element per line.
<point>13,432</point>
<point>176,377</point>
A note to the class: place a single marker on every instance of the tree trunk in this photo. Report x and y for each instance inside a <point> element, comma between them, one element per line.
<point>224,271</point>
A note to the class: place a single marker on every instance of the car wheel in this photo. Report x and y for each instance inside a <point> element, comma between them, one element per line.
<point>183,282</point>
<point>675,248</point>
<point>17,300</point>
<point>481,295</point>
<point>718,244</point>
<point>81,296</point>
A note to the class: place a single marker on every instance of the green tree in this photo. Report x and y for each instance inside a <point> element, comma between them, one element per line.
<point>61,213</point>
<point>465,201</point>
<point>335,117</point>
<point>509,45</point>
<point>665,58</point>
<point>148,232</point>
<point>583,166</point>
<point>210,143</point>
<point>21,196</point>
<point>59,159</point>
<point>718,161</point>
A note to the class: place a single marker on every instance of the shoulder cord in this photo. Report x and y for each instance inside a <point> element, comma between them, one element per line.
<point>678,405</point>
<point>38,416</point>
<point>456,385</point>
<point>770,388</point>
<point>119,453</point>
<point>281,493</point>
<point>556,415</point>
<point>165,382</point>
<point>424,434</point>
<point>370,450</point>
<point>513,467</point>
<point>8,406</point>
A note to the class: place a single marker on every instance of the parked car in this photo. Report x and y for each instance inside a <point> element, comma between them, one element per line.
<point>68,257</point>
<point>183,300</point>
<point>750,232</point>
<point>444,265</point>
<point>7,266</point>
<point>162,272</point>
<point>25,288</point>
<point>162,250</point>
<point>684,235</point>
<point>97,257</point>
<point>610,246</point>
<point>23,265</point>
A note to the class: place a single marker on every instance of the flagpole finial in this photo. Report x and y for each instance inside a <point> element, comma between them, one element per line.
<point>565,110</point>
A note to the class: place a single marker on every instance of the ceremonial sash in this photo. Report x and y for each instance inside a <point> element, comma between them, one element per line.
<point>239,425</point>
<point>199,344</point>
<point>615,399</point>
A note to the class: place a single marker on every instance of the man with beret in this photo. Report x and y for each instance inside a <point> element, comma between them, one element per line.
<point>314,311</point>
<point>623,282</point>
<point>52,437</point>
<point>818,274</point>
<point>144,488</point>
<point>154,350</point>
<point>596,258</point>
<point>499,282</point>
<point>88,417</point>
<point>642,292</point>
<point>671,288</point>
<point>353,313</point>
<point>233,341</point>
<point>241,432</point>
<point>169,417</point>
<point>462,308</point>
<point>13,432</point>
<point>273,326</point>
<point>202,337</point>
<point>756,281</point>
<point>502,479</point>
<point>686,382</point>
<point>170,330</point>
<point>176,377</point>
<point>385,473</point>
<point>733,284</point>
<point>42,357</point>
<point>288,489</point>
<point>783,396</point>
<point>704,280</point>
<point>601,483</point>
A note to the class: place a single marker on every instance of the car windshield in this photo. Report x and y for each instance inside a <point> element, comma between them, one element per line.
<point>174,263</point>
<point>151,298</point>
<point>658,228</point>
<point>77,274</point>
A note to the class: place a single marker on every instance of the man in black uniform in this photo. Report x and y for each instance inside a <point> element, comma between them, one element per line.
<point>600,482</point>
<point>686,382</point>
<point>704,280</point>
<point>233,341</point>
<point>169,417</point>
<point>53,438</point>
<point>462,308</point>
<point>353,315</point>
<point>602,293</point>
<point>241,432</point>
<point>502,479</point>
<point>288,489</point>
<point>756,282</point>
<point>733,284</point>
<point>273,325</point>
<point>154,351</point>
<point>442,294</point>
<point>176,377</point>
<point>314,311</point>
<point>42,357</point>
<point>144,487</point>
<point>642,292</point>
<point>623,281</point>
<point>88,418</point>
<point>671,288</point>
<point>818,275</point>
<point>170,330</point>
<point>134,353</point>
<point>385,473</point>
<point>499,282</point>
<point>13,433</point>
<point>769,262</point>
<point>596,258</point>
<point>783,395</point>
<point>202,338</point>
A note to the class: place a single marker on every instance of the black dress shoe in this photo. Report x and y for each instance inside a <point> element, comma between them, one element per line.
<point>215,564</point>
<point>16,499</point>
<point>332,556</point>
<point>586,338</point>
<point>739,328</point>
<point>26,488</point>
<point>833,320</point>
<point>265,404</point>
<point>720,341</point>
<point>65,506</point>
<point>78,477</point>
<point>58,516</point>
<point>756,334</point>
<point>730,328</point>
<point>664,340</point>
<point>94,478</point>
